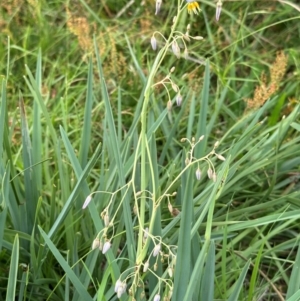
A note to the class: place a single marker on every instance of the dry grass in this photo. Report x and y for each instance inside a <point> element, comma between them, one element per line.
<point>265,90</point>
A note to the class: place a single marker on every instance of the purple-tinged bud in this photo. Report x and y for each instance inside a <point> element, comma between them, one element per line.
<point>178,99</point>
<point>153,43</point>
<point>198,174</point>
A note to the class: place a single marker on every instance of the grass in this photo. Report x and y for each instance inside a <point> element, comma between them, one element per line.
<point>197,202</point>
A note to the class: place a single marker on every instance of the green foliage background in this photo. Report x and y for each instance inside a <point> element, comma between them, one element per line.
<point>73,78</point>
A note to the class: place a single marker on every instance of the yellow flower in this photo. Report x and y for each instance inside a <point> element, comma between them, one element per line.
<point>193,7</point>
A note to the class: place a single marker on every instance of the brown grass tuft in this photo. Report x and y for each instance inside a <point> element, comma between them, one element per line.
<point>265,90</point>
<point>80,27</point>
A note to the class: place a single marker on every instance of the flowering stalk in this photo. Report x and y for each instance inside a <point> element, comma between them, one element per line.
<point>142,251</point>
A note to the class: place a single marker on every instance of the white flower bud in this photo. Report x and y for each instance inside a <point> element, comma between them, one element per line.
<point>153,43</point>
<point>96,243</point>
<point>157,6</point>
<point>146,266</point>
<point>178,99</point>
<point>186,54</point>
<point>201,138</point>
<point>172,69</point>
<point>198,174</point>
<point>117,285</point>
<point>170,272</point>
<point>106,247</point>
<point>199,38</point>
<point>209,173</point>
<point>156,250</point>
<point>176,49</point>
<point>87,201</point>
<point>156,297</point>
<point>214,177</point>
<point>175,87</point>
<point>218,10</point>
<point>169,105</point>
<point>220,157</point>
<point>106,220</point>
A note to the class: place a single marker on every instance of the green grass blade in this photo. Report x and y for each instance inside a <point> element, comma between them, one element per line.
<point>13,271</point>
<point>239,284</point>
<point>195,283</point>
<point>87,123</point>
<point>207,285</point>
<point>183,261</point>
<point>202,121</point>
<point>78,286</point>
<point>294,283</point>
<point>295,297</point>
<point>3,115</point>
<point>75,192</point>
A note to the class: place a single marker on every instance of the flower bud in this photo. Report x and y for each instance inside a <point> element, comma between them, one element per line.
<point>106,220</point>
<point>214,177</point>
<point>87,201</point>
<point>156,297</point>
<point>172,69</point>
<point>209,173</point>
<point>178,99</point>
<point>220,157</point>
<point>175,87</point>
<point>96,243</point>
<point>156,250</point>
<point>146,266</point>
<point>218,10</point>
<point>198,174</point>
<point>198,38</point>
<point>169,105</point>
<point>153,43</point>
<point>117,285</point>
<point>157,6</point>
<point>106,247</point>
<point>186,54</point>
<point>176,49</point>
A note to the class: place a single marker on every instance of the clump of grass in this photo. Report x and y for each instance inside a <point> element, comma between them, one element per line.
<point>165,217</point>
